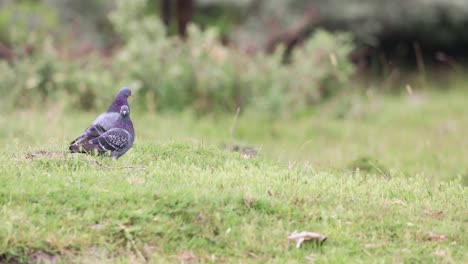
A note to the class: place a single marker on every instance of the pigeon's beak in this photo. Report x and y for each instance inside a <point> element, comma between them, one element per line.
<point>124,112</point>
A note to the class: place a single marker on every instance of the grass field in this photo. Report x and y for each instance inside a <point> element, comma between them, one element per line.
<point>383,177</point>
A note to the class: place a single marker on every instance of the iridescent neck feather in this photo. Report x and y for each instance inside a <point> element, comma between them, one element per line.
<point>117,104</point>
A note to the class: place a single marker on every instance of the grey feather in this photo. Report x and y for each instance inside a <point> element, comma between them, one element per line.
<point>116,141</point>
<point>104,121</point>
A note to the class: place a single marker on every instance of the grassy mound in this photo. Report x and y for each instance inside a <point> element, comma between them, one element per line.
<point>182,202</point>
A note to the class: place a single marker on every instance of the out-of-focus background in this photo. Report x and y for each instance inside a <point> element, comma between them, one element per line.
<point>333,83</point>
<point>209,56</point>
<point>253,118</point>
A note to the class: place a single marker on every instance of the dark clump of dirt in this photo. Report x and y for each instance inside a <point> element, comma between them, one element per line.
<point>9,259</point>
<point>246,152</point>
<point>39,256</point>
<point>43,257</point>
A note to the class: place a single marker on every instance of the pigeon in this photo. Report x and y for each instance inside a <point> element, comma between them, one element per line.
<point>115,141</point>
<point>106,120</point>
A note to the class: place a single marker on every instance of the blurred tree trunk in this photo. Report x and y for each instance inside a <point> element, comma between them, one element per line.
<point>166,12</point>
<point>184,14</point>
<point>295,36</point>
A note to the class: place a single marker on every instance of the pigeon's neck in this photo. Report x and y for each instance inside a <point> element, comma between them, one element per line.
<point>117,104</point>
<point>125,123</point>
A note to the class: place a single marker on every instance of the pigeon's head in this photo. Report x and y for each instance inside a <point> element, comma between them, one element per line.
<point>120,100</point>
<point>125,92</point>
<point>124,111</point>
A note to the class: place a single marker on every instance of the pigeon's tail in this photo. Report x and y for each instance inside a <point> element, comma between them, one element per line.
<point>87,148</point>
<point>75,149</point>
<point>76,145</point>
<point>76,141</point>
<point>94,131</point>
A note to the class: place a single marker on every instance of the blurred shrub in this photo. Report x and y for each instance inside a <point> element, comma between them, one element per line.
<point>44,77</point>
<point>203,74</point>
<point>318,70</point>
<point>170,74</point>
<point>25,22</point>
<point>85,20</point>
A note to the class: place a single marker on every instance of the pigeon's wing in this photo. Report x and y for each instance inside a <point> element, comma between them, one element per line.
<point>113,140</point>
<point>91,132</point>
<point>103,122</point>
<point>107,120</point>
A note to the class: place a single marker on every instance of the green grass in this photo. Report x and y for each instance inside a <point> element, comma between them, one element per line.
<point>178,196</point>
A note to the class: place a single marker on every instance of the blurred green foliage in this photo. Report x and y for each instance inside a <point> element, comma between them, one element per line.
<point>85,20</point>
<point>207,76</point>
<point>45,78</point>
<point>25,22</point>
<point>169,74</point>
